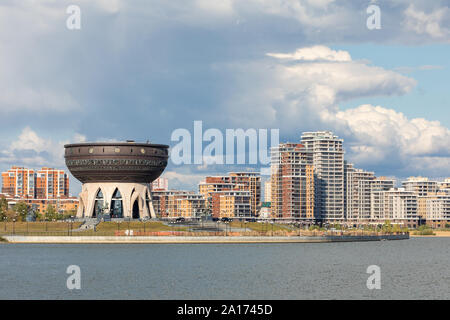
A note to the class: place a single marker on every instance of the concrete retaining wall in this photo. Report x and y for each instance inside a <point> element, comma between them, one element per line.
<point>213,239</point>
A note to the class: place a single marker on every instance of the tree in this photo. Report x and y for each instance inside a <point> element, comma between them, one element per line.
<point>10,215</point>
<point>3,208</point>
<point>51,213</point>
<point>21,209</point>
<point>38,216</point>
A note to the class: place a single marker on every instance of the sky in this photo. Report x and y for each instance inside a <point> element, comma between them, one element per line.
<point>142,69</point>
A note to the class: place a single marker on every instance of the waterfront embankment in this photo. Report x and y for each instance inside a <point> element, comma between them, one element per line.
<point>191,239</point>
<point>436,233</point>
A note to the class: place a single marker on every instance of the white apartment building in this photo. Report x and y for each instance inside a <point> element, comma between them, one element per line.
<point>420,185</point>
<point>328,163</point>
<point>377,196</point>
<point>358,187</point>
<point>438,207</point>
<point>401,206</point>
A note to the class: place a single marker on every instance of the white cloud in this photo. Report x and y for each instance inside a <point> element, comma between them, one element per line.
<point>383,133</point>
<point>430,24</point>
<point>180,180</point>
<point>221,7</point>
<point>315,53</point>
<point>298,93</point>
<point>304,93</point>
<point>32,150</point>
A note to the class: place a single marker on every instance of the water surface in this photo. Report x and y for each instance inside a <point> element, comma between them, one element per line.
<point>410,269</point>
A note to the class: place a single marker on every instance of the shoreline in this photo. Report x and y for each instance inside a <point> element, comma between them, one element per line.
<point>192,239</point>
<point>438,234</point>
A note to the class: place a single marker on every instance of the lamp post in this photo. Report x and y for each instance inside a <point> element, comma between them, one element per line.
<point>4,218</point>
<point>14,226</point>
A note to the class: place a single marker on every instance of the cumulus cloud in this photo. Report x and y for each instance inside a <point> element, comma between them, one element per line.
<point>434,24</point>
<point>304,90</point>
<point>307,90</point>
<point>380,133</point>
<point>30,149</point>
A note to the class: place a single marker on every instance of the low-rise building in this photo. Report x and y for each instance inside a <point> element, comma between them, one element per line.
<point>235,204</point>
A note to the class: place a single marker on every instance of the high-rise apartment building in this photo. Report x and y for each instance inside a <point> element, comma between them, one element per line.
<point>251,182</point>
<point>377,206</point>
<point>19,182</point>
<point>328,164</point>
<point>292,181</point>
<point>51,183</point>
<point>46,183</point>
<point>358,189</point>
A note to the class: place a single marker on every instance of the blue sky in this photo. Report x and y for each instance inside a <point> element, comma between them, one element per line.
<point>430,98</point>
<point>143,69</point>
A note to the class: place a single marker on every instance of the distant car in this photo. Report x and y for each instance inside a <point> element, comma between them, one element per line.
<point>180,219</point>
<point>250,219</point>
<point>226,219</point>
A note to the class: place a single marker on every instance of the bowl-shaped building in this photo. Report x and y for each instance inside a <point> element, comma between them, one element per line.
<point>116,176</point>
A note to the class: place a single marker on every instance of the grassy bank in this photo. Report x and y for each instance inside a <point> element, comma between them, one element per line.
<point>260,227</point>
<point>3,240</point>
<point>423,231</point>
<point>37,226</point>
<point>150,226</point>
<point>102,229</point>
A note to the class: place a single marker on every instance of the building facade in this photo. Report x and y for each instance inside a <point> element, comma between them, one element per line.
<point>213,186</point>
<point>420,186</point>
<point>328,163</point>
<point>292,182</point>
<point>46,183</point>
